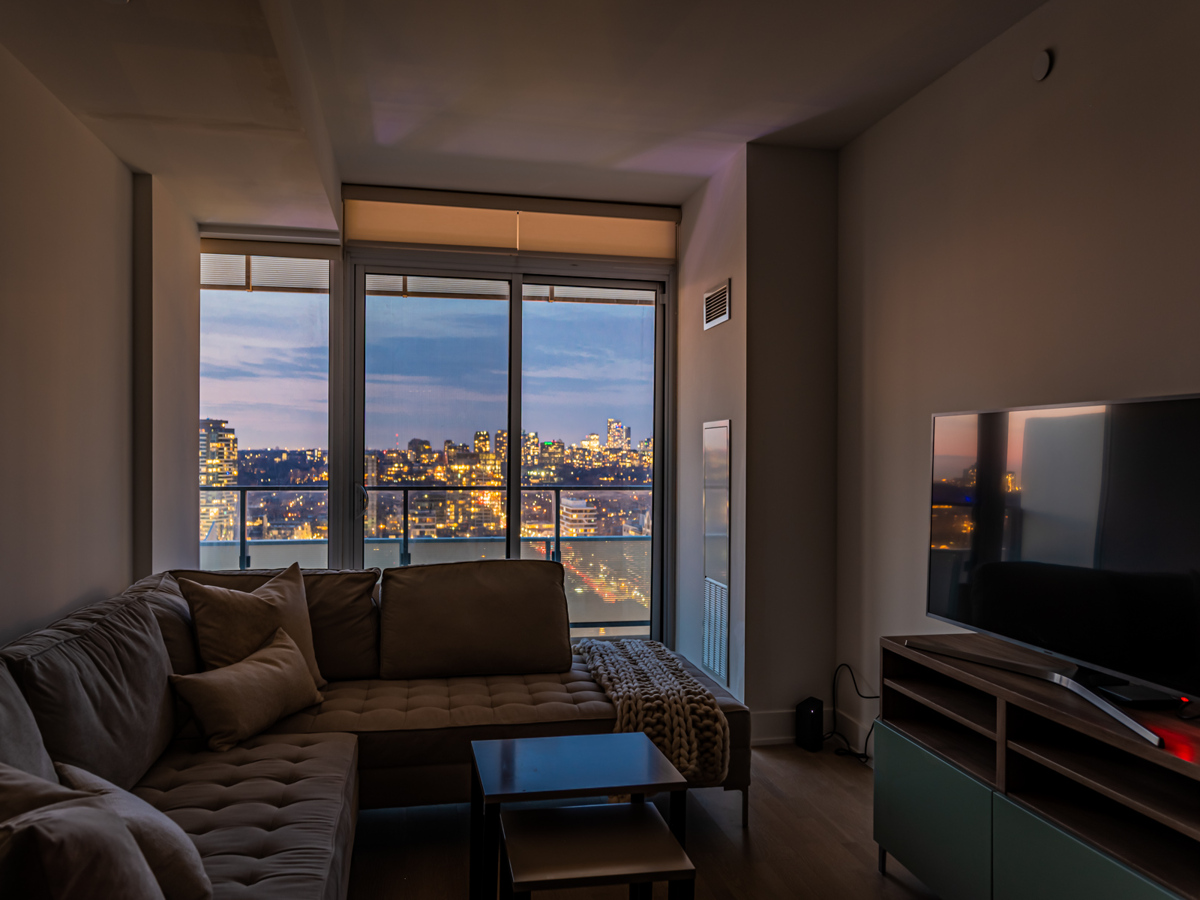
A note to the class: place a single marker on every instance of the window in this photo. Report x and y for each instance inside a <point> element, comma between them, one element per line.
<point>481,415</point>
<point>264,411</point>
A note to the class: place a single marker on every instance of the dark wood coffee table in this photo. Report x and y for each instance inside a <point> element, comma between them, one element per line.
<point>561,768</point>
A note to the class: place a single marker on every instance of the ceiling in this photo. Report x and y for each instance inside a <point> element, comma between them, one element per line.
<point>253,114</point>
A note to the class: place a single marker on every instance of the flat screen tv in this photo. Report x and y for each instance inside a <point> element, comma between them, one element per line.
<point>1074,530</point>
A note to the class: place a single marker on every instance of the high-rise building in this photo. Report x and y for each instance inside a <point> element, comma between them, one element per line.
<point>483,442</point>
<point>592,443</point>
<point>577,518</point>
<point>616,434</point>
<point>218,468</point>
<point>530,451</point>
<point>218,453</point>
<point>553,453</point>
<point>502,444</point>
<point>627,441</point>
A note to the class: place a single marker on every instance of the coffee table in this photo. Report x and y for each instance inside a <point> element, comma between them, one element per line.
<point>561,768</point>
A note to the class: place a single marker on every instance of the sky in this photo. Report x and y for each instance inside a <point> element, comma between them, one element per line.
<point>436,369</point>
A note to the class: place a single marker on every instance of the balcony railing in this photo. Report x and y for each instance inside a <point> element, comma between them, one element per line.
<point>574,551</point>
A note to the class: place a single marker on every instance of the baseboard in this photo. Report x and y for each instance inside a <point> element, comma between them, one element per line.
<point>855,732</point>
<point>778,726</point>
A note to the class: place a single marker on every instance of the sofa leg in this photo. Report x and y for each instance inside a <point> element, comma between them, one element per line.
<point>746,806</point>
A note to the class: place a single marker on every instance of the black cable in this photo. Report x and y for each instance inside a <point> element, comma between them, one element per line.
<point>848,750</point>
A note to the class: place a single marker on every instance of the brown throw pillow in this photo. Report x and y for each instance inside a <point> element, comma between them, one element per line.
<point>230,625</point>
<point>73,851</point>
<point>170,853</point>
<point>243,699</point>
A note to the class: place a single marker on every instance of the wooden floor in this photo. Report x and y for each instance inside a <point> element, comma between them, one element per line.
<point>809,837</point>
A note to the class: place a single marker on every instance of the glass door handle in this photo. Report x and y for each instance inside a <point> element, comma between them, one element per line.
<point>364,499</point>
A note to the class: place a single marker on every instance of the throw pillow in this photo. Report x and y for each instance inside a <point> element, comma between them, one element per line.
<point>72,851</point>
<point>170,853</point>
<point>247,697</point>
<point>231,624</point>
<point>21,792</point>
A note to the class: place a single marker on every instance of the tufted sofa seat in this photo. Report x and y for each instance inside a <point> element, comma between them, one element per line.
<point>415,735</point>
<point>272,818</point>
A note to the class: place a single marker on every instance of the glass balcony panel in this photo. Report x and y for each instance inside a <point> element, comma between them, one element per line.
<point>454,526</point>
<point>219,520</point>
<point>605,550</point>
<point>283,527</point>
<point>537,524</point>
<point>383,529</point>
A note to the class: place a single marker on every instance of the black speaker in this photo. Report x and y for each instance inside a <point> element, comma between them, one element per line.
<point>810,724</point>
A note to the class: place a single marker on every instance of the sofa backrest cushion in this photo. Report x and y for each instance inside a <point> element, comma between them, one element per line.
<point>343,614</point>
<point>488,617</point>
<point>21,743</point>
<point>96,682</point>
<point>161,592</point>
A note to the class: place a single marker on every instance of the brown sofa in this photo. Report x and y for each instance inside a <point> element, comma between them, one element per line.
<point>275,816</point>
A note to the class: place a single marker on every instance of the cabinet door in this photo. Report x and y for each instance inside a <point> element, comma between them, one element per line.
<point>933,817</point>
<point>1035,860</point>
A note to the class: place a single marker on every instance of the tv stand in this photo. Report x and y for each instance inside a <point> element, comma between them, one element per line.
<point>998,784</point>
<point>1064,674</point>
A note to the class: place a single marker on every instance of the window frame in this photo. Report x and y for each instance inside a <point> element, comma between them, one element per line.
<point>347,364</point>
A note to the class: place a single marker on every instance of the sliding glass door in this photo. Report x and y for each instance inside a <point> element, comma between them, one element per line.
<point>587,448</point>
<point>435,419</point>
<point>475,387</point>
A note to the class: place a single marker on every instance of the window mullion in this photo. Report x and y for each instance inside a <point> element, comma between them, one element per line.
<point>513,482</point>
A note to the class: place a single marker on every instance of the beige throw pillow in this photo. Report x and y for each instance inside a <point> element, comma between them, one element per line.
<point>172,856</point>
<point>231,624</point>
<point>243,699</point>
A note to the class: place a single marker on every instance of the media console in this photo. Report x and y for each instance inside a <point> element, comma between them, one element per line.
<point>994,785</point>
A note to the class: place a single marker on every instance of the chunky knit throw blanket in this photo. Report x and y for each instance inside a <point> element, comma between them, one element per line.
<point>654,693</point>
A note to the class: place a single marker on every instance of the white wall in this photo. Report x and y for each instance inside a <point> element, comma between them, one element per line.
<point>65,219</point>
<point>711,385</point>
<point>166,368</point>
<point>791,445</point>
<point>1006,242</point>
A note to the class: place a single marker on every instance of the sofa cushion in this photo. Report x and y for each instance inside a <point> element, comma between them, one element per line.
<point>433,721</point>
<point>96,682</point>
<point>343,613</point>
<point>231,624</point>
<point>238,701</point>
<point>20,741</point>
<point>161,592</point>
<point>22,791</point>
<point>72,851</point>
<point>272,818</point>
<point>169,852</point>
<point>487,617</point>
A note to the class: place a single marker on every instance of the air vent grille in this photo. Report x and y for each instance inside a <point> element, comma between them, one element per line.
<point>715,651</point>
<point>716,306</point>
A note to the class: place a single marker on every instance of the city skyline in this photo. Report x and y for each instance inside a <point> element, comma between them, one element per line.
<point>435,371</point>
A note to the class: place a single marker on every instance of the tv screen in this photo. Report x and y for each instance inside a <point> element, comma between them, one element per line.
<point>1074,530</point>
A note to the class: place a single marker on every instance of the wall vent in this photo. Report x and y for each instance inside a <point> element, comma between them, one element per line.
<point>716,305</point>
<point>715,653</point>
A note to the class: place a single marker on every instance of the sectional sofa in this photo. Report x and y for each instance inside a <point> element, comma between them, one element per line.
<point>407,659</point>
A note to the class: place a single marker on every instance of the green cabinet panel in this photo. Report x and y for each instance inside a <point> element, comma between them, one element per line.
<point>933,817</point>
<point>1034,860</point>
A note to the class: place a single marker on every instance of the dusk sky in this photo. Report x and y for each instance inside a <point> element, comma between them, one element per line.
<point>436,369</point>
